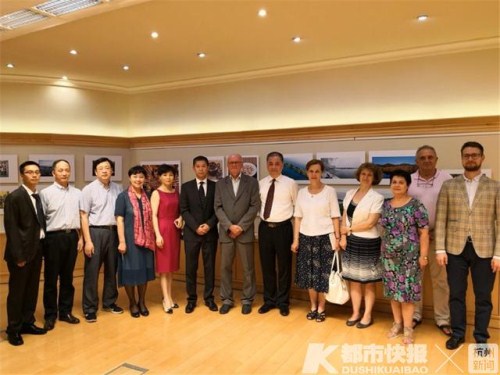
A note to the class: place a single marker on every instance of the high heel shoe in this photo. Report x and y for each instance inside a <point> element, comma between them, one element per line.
<point>134,311</point>
<point>167,309</point>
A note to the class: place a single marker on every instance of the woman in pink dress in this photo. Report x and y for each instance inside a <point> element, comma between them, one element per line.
<point>167,223</point>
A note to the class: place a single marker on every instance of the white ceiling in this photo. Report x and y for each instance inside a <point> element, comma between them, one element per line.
<point>237,42</point>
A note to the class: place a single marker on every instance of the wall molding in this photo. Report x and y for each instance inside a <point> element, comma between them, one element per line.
<point>399,129</point>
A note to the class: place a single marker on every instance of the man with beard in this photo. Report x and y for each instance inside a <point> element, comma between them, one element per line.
<point>467,236</point>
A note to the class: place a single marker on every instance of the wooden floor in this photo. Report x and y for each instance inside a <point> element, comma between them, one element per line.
<point>205,342</point>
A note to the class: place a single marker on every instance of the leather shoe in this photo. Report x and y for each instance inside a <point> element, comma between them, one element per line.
<point>225,308</point>
<point>32,329</point>
<point>246,309</point>
<point>190,307</point>
<point>69,318</point>
<point>15,339</point>
<point>454,342</point>
<point>49,324</point>
<point>212,306</point>
<point>265,308</point>
<point>284,310</point>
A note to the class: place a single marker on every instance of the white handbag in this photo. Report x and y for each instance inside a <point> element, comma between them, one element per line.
<point>338,292</point>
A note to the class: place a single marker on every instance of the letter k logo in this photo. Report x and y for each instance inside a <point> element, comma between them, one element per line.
<point>316,356</point>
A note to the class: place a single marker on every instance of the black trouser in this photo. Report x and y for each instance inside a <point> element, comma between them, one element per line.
<point>208,253</point>
<point>275,250</point>
<point>59,254</point>
<point>483,280</point>
<point>23,292</point>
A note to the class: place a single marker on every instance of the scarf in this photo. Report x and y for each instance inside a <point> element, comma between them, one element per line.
<point>143,236</point>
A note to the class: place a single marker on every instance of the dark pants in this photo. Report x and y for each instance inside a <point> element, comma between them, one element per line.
<point>105,252</point>
<point>23,292</point>
<point>275,250</point>
<point>208,253</point>
<point>59,253</point>
<point>483,279</point>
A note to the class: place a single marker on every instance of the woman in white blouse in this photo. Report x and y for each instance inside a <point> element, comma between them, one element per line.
<point>315,237</point>
<point>360,239</point>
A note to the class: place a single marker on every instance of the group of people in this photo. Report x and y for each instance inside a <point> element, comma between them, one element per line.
<point>135,237</point>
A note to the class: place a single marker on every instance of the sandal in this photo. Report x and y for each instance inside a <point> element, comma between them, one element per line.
<point>416,323</point>
<point>321,316</point>
<point>408,336</point>
<point>395,331</point>
<point>311,315</point>
<point>445,328</point>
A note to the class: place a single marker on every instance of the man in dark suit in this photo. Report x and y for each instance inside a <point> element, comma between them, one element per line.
<point>24,228</point>
<point>237,202</point>
<point>200,232</point>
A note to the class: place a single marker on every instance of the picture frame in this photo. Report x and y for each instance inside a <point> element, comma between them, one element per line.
<point>294,166</point>
<point>457,172</point>
<point>9,170</point>
<point>392,160</point>
<point>4,191</point>
<point>341,167</point>
<point>152,183</point>
<point>46,160</point>
<point>216,168</point>
<point>116,161</point>
<point>251,166</point>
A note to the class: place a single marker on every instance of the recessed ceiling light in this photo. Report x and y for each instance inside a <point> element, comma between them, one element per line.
<point>126,67</point>
<point>296,39</point>
<point>65,78</point>
<point>201,55</point>
<point>154,35</point>
<point>73,52</point>
<point>10,65</point>
<point>422,18</point>
<point>262,12</point>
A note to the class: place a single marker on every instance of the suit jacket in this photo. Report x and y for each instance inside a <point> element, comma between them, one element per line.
<point>194,214</point>
<point>21,227</point>
<point>240,209</point>
<point>455,221</point>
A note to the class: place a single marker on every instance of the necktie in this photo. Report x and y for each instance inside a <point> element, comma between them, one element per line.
<point>201,193</point>
<point>269,200</point>
<point>39,210</point>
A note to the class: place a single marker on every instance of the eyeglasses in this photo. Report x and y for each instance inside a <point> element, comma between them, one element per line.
<point>471,156</point>
<point>32,173</point>
<point>425,183</point>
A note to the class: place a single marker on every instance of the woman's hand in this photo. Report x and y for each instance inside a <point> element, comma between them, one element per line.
<point>423,261</point>
<point>159,241</point>
<point>344,230</point>
<point>295,246</point>
<point>122,247</point>
<point>178,222</point>
<point>343,242</point>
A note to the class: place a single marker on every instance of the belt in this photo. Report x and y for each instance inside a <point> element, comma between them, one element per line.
<point>63,231</point>
<point>275,225</point>
<point>108,227</point>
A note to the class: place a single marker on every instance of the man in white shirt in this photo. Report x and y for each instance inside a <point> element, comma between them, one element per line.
<point>61,205</point>
<point>425,185</point>
<point>277,195</point>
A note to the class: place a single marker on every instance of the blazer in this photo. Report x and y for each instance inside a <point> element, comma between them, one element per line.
<point>240,209</point>
<point>194,214</point>
<point>21,227</point>
<point>455,221</point>
<point>371,203</point>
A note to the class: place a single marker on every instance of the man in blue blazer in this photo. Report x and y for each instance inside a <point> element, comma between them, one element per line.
<point>24,228</point>
<point>200,232</point>
<point>237,203</point>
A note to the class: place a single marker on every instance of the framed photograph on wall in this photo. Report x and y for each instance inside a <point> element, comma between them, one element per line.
<point>294,166</point>
<point>152,182</point>
<point>341,167</point>
<point>9,170</point>
<point>116,163</point>
<point>251,165</point>
<point>46,161</point>
<point>4,191</point>
<point>458,172</point>
<point>216,168</point>
<point>391,160</point>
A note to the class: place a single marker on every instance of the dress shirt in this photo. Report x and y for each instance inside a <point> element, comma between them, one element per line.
<point>204,185</point>
<point>285,196</point>
<point>33,201</point>
<point>61,206</point>
<point>471,186</point>
<point>427,191</point>
<point>98,201</point>
<point>236,183</point>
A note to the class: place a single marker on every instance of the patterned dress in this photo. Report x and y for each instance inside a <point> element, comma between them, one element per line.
<point>402,277</point>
